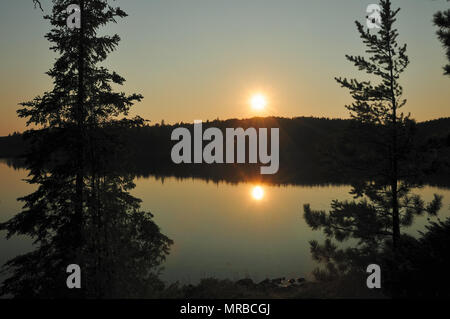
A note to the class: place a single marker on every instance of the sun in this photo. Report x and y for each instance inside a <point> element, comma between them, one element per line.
<point>258,193</point>
<point>258,102</point>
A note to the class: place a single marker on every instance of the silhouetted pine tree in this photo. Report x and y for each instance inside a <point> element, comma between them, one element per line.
<point>82,212</point>
<point>384,157</point>
<point>379,104</point>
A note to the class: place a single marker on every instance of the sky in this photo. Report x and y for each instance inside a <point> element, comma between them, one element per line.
<point>204,59</point>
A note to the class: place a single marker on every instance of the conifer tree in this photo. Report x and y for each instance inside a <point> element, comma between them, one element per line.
<point>82,212</point>
<point>379,104</point>
<point>383,156</point>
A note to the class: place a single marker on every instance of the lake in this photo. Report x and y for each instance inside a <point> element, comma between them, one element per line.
<point>219,230</point>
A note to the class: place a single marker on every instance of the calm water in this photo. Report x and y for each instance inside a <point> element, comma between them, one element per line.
<point>220,230</point>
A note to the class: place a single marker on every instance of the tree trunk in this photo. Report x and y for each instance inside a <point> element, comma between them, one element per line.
<point>394,162</point>
<point>80,128</point>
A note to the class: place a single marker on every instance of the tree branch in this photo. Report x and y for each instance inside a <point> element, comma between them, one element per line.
<point>37,3</point>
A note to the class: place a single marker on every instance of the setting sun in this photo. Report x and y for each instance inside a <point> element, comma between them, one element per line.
<point>257,193</point>
<point>258,102</point>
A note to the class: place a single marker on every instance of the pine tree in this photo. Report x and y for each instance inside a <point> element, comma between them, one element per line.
<point>379,104</point>
<point>383,155</point>
<point>82,212</point>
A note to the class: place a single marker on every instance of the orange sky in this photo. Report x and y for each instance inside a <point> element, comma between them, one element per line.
<point>203,60</point>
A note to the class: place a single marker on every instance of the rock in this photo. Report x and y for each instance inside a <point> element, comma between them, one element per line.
<point>284,284</point>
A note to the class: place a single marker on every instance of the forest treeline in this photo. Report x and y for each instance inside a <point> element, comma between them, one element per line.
<point>307,147</point>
